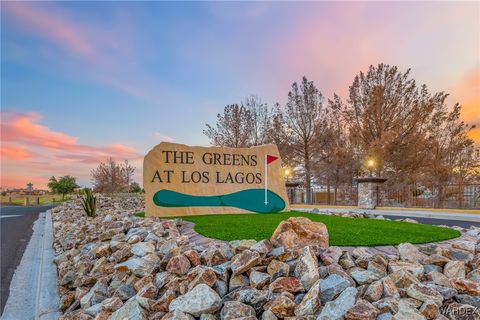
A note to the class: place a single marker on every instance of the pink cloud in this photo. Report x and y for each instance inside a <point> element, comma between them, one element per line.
<point>32,150</point>
<point>20,181</point>
<point>108,54</point>
<point>15,153</point>
<point>51,24</point>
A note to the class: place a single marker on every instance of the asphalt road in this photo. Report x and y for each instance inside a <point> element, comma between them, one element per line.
<point>15,231</point>
<point>459,223</point>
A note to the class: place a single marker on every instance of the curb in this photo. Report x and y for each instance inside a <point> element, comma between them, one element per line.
<point>470,217</point>
<point>33,290</point>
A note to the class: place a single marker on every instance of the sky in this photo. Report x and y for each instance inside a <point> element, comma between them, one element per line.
<point>84,81</point>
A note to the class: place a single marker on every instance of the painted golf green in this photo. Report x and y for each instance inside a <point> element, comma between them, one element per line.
<point>250,199</point>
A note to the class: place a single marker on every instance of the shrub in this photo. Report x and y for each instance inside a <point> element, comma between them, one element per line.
<point>89,203</point>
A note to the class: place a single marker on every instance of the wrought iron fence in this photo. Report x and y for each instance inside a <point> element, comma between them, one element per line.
<point>455,196</point>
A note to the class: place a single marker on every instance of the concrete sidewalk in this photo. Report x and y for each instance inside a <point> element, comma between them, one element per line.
<point>407,212</point>
<point>33,290</point>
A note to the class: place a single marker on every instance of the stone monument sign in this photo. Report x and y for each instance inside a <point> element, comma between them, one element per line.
<point>183,180</point>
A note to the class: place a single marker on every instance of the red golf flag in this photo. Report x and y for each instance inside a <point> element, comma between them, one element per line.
<point>270,158</point>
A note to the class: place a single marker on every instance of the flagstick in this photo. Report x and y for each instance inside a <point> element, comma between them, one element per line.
<point>266,180</point>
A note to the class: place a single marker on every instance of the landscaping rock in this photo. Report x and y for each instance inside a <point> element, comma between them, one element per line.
<point>424,293</point>
<point>140,266</point>
<point>278,268</point>
<point>402,278</point>
<point>259,279</point>
<point>374,291</point>
<point>177,315</point>
<point>201,299</point>
<point>237,281</point>
<point>429,309</point>
<point>201,274</point>
<point>263,247</point>
<point>409,252</point>
<point>117,266</point>
<point>310,302</point>
<point>130,310</point>
<point>286,284</point>
<point>245,261</point>
<point>236,310</point>
<point>414,268</point>
<point>269,315</point>
<point>466,286</point>
<point>178,265</point>
<point>389,288</point>
<point>217,253</point>
<point>307,268</point>
<point>454,269</point>
<point>281,306</point>
<point>362,310</point>
<point>298,232</point>
<point>335,310</point>
<point>331,255</point>
<point>408,313</point>
<point>142,249</point>
<point>331,287</point>
<point>467,299</point>
<point>362,276</point>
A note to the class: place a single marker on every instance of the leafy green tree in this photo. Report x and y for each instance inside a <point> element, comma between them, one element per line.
<point>64,185</point>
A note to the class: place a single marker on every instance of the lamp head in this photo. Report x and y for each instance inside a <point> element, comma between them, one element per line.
<point>370,163</point>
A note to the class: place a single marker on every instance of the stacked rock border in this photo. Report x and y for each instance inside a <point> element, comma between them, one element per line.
<point>119,266</point>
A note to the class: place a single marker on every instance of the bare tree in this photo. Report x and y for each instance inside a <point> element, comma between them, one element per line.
<point>112,177</point>
<point>243,125</point>
<point>452,155</point>
<point>304,128</point>
<point>261,117</point>
<point>233,127</point>
<point>127,171</point>
<point>340,164</point>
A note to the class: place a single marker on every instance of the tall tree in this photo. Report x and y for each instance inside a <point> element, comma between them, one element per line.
<point>261,117</point>
<point>64,185</point>
<point>305,128</point>
<point>340,165</point>
<point>452,155</point>
<point>233,127</point>
<point>387,117</point>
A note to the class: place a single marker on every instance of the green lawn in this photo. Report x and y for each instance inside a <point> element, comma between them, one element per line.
<point>342,231</point>
<point>44,199</point>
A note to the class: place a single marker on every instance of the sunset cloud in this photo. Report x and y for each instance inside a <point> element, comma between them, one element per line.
<point>27,146</point>
<point>15,153</point>
<point>51,24</point>
<point>105,55</point>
